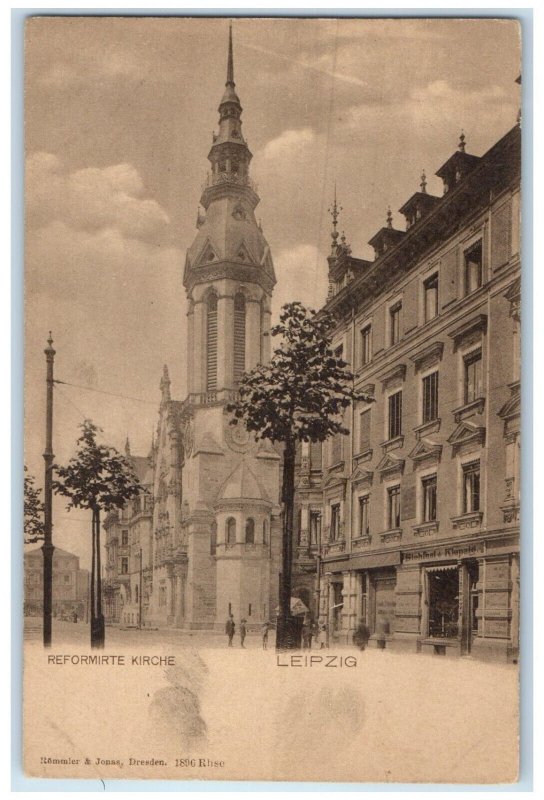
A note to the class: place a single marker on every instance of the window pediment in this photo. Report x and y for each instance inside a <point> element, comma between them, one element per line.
<point>394,375</point>
<point>426,450</point>
<point>466,433</point>
<point>427,356</point>
<point>472,330</point>
<point>361,477</point>
<point>390,465</point>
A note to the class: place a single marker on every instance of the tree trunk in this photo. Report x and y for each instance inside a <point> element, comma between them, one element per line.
<point>286,637</point>
<point>97,618</point>
<point>93,573</point>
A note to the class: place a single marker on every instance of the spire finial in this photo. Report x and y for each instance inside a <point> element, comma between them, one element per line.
<point>127,446</point>
<point>230,62</point>
<point>334,211</point>
<point>389,219</point>
<point>462,142</point>
<point>423,184</point>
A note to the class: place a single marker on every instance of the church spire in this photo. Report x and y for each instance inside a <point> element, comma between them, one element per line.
<point>230,62</point>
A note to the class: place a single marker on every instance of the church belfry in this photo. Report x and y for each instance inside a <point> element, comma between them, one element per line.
<point>229,274</point>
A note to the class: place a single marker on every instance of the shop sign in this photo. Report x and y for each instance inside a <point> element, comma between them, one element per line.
<point>453,551</point>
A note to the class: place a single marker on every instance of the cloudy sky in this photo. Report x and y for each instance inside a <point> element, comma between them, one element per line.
<point>119,119</point>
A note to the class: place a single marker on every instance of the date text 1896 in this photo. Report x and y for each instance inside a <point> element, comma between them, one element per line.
<point>198,762</point>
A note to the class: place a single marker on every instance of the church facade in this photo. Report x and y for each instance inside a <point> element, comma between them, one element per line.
<point>216,530</point>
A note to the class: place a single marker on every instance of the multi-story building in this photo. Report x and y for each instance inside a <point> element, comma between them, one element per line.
<point>411,523</point>
<point>70,584</point>
<point>212,515</point>
<point>128,565</point>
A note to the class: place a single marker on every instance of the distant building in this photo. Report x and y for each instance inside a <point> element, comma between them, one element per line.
<point>129,553</point>
<point>70,584</point>
<point>416,512</point>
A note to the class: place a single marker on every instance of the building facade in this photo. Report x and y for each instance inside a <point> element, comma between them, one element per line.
<point>411,523</point>
<point>212,514</point>
<point>70,584</point>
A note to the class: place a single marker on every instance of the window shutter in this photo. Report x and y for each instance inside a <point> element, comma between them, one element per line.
<point>378,330</point>
<point>449,277</point>
<point>409,306</point>
<point>408,505</point>
<point>501,220</point>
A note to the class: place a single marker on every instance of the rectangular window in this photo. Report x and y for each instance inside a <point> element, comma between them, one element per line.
<point>366,345</point>
<point>364,515</point>
<point>430,288</point>
<point>124,566</point>
<point>473,268</point>
<point>471,487</point>
<point>315,455</point>
<point>364,431</point>
<point>336,448</point>
<point>394,323</point>
<point>395,415</point>
<point>428,486</point>
<point>473,376</point>
<point>393,507</point>
<point>124,538</point>
<point>430,397</point>
<point>315,527</point>
<point>335,521</point>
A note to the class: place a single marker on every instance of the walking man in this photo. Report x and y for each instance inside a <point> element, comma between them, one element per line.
<point>264,630</point>
<point>230,627</point>
<point>243,631</point>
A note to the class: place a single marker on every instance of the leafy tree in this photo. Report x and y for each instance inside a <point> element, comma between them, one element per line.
<point>99,479</point>
<point>300,395</point>
<point>33,510</point>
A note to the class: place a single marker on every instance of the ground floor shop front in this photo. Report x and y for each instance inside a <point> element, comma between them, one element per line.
<point>453,598</point>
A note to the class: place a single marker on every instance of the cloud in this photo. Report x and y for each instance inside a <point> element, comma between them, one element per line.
<point>302,275</point>
<point>289,144</point>
<point>91,198</point>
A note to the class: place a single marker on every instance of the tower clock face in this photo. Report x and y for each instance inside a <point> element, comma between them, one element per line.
<point>236,436</point>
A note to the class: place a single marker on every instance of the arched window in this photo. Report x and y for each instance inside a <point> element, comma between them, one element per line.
<point>231,530</point>
<point>239,336</point>
<point>211,343</point>
<point>265,531</point>
<point>250,531</point>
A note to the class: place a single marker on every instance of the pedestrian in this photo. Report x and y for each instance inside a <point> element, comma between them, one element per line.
<point>243,631</point>
<point>230,627</point>
<point>361,636</point>
<point>264,631</point>
<point>323,635</point>
<point>306,635</point>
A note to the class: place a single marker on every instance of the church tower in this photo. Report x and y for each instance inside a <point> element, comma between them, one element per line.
<point>230,482</point>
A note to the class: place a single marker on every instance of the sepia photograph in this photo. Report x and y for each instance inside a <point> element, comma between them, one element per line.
<point>272,399</point>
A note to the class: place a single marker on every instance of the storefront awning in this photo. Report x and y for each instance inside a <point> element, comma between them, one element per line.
<point>370,561</point>
<point>442,567</point>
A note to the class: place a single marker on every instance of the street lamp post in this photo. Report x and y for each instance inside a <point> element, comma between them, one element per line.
<point>140,594</point>
<point>47,547</point>
<point>328,623</point>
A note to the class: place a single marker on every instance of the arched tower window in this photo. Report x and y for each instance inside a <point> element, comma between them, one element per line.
<point>250,531</point>
<point>265,531</point>
<point>231,530</point>
<point>211,343</point>
<point>239,336</point>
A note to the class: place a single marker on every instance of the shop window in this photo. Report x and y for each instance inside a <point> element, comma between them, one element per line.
<point>428,486</point>
<point>124,566</point>
<point>473,268</point>
<point>335,521</point>
<point>444,603</point>
<point>364,515</point>
<point>471,487</point>
<point>430,291</point>
<point>366,345</point>
<point>394,323</point>
<point>124,538</point>
<point>472,365</point>
<point>250,531</point>
<point>364,431</point>
<point>315,527</point>
<point>231,531</point>
<point>211,343</point>
<point>430,397</point>
<point>395,415</point>
<point>393,507</point>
